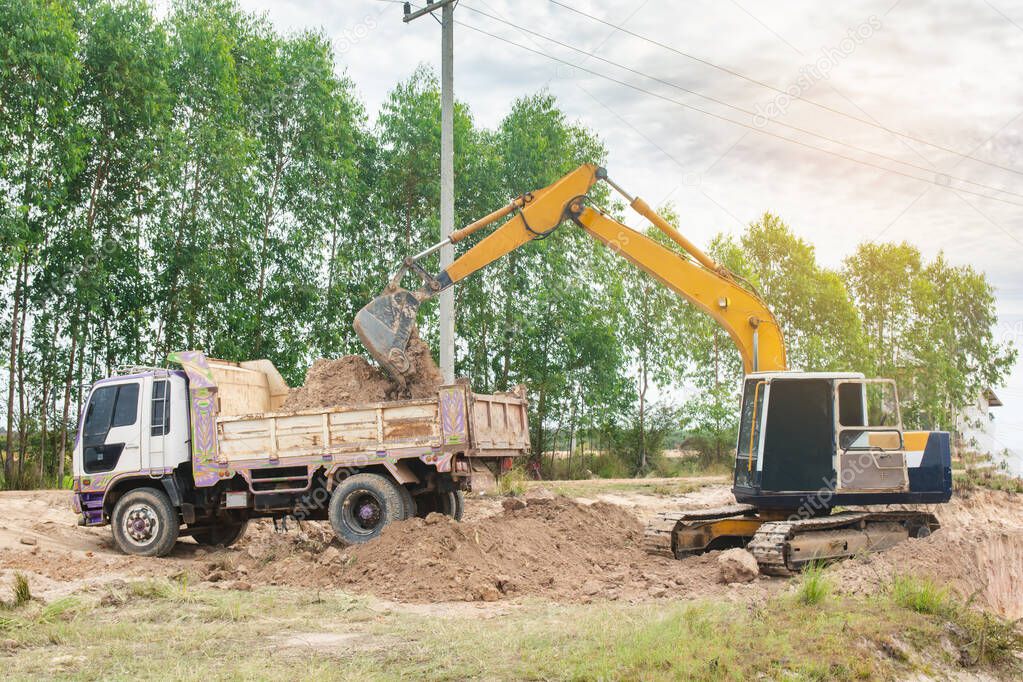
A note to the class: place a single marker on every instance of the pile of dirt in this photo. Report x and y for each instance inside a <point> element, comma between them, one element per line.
<point>552,547</point>
<point>351,380</point>
<point>978,551</point>
<point>345,381</point>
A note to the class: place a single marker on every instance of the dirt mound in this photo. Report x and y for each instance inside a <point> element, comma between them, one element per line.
<point>978,551</point>
<point>344,381</point>
<point>553,547</point>
<point>351,380</point>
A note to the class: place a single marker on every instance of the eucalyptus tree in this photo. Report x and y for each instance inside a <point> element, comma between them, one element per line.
<point>39,72</point>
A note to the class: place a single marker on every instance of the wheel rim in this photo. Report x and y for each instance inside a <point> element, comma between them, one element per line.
<point>363,512</point>
<point>141,524</point>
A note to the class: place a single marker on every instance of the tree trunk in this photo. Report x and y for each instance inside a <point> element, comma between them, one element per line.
<point>12,366</point>
<point>22,416</point>
<point>61,455</point>
<point>42,424</point>
<point>267,221</point>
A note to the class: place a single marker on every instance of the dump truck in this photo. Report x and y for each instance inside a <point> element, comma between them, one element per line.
<point>809,442</point>
<point>201,446</point>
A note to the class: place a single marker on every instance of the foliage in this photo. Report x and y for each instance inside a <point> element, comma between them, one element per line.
<point>196,179</point>
<point>21,593</point>
<point>512,482</point>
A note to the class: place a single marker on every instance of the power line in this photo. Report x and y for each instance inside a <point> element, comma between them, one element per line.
<point>729,120</point>
<point>762,84</point>
<point>723,103</point>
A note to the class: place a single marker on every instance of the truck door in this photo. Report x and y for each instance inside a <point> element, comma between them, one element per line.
<point>111,437</point>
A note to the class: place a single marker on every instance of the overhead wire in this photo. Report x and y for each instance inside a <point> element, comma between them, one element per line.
<point>712,114</point>
<point>734,107</point>
<point>781,91</point>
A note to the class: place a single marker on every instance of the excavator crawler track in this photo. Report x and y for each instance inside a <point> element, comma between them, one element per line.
<point>783,547</point>
<point>660,531</point>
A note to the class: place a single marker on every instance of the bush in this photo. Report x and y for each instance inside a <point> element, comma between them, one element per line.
<point>985,639</point>
<point>512,482</point>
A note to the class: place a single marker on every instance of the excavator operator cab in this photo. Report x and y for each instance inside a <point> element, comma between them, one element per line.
<point>810,441</point>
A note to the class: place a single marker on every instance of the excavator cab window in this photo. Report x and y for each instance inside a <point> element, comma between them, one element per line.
<point>798,435</point>
<point>750,419</point>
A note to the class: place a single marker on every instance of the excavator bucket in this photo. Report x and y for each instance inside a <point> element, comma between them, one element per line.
<point>385,326</point>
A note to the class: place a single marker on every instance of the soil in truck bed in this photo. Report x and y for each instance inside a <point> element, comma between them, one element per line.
<point>351,380</point>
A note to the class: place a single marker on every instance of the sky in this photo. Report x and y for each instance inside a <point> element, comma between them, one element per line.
<point>946,73</point>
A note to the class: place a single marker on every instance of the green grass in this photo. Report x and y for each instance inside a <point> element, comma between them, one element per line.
<point>21,593</point>
<point>986,639</point>
<point>512,482</point>
<point>163,631</point>
<point>972,478</point>
<point>597,486</point>
<point>920,595</point>
<point>814,585</point>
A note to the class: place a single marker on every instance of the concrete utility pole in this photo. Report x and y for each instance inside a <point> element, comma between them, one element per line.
<point>447,171</point>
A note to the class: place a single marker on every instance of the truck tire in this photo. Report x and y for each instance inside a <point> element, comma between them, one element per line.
<point>225,535</point>
<point>145,523</point>
<point>410,502</point>
<point>454,505</point>
<point>450,504</point>
<point>361,505</point>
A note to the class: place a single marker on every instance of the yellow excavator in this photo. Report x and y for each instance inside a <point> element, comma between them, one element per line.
<point>810,444</point>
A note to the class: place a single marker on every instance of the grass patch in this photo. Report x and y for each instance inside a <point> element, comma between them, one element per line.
<point>597,486</point>
<point>983,638</point>
<point>512,482</point>
<point>226,634</point>
<point>814,585</point>
<point>920,594</point>
<point>971,479</point>
<point>22,593</point>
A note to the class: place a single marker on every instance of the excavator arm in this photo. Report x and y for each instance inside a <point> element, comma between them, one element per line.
<point>386,324</point>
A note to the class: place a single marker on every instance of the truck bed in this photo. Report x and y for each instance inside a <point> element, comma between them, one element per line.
<point>457,421</point>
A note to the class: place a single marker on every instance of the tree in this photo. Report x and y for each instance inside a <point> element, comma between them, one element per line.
<point>813,308</point>
<point>652,328</point>
<point>39,71</point>
<point>882,279</point>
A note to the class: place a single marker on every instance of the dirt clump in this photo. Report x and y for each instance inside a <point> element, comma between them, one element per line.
<point>424,376</point>
<point>736,565</point>
<point>352,379</point>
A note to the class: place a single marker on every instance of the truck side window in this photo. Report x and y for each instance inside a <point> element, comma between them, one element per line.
<point>127,405</point>
<point>160,421</point>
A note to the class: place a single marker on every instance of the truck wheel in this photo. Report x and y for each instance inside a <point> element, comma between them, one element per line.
<point>450,504</point>
<point>225,535</point>
<point>453,505</point>
<point>362,505</point>
<point>410,502</point>
<point>145,523</point>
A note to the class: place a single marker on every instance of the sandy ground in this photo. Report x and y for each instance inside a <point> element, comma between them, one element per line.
<point>574,550</point>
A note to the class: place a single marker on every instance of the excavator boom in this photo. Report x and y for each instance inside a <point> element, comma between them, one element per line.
<point>386,324</point>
